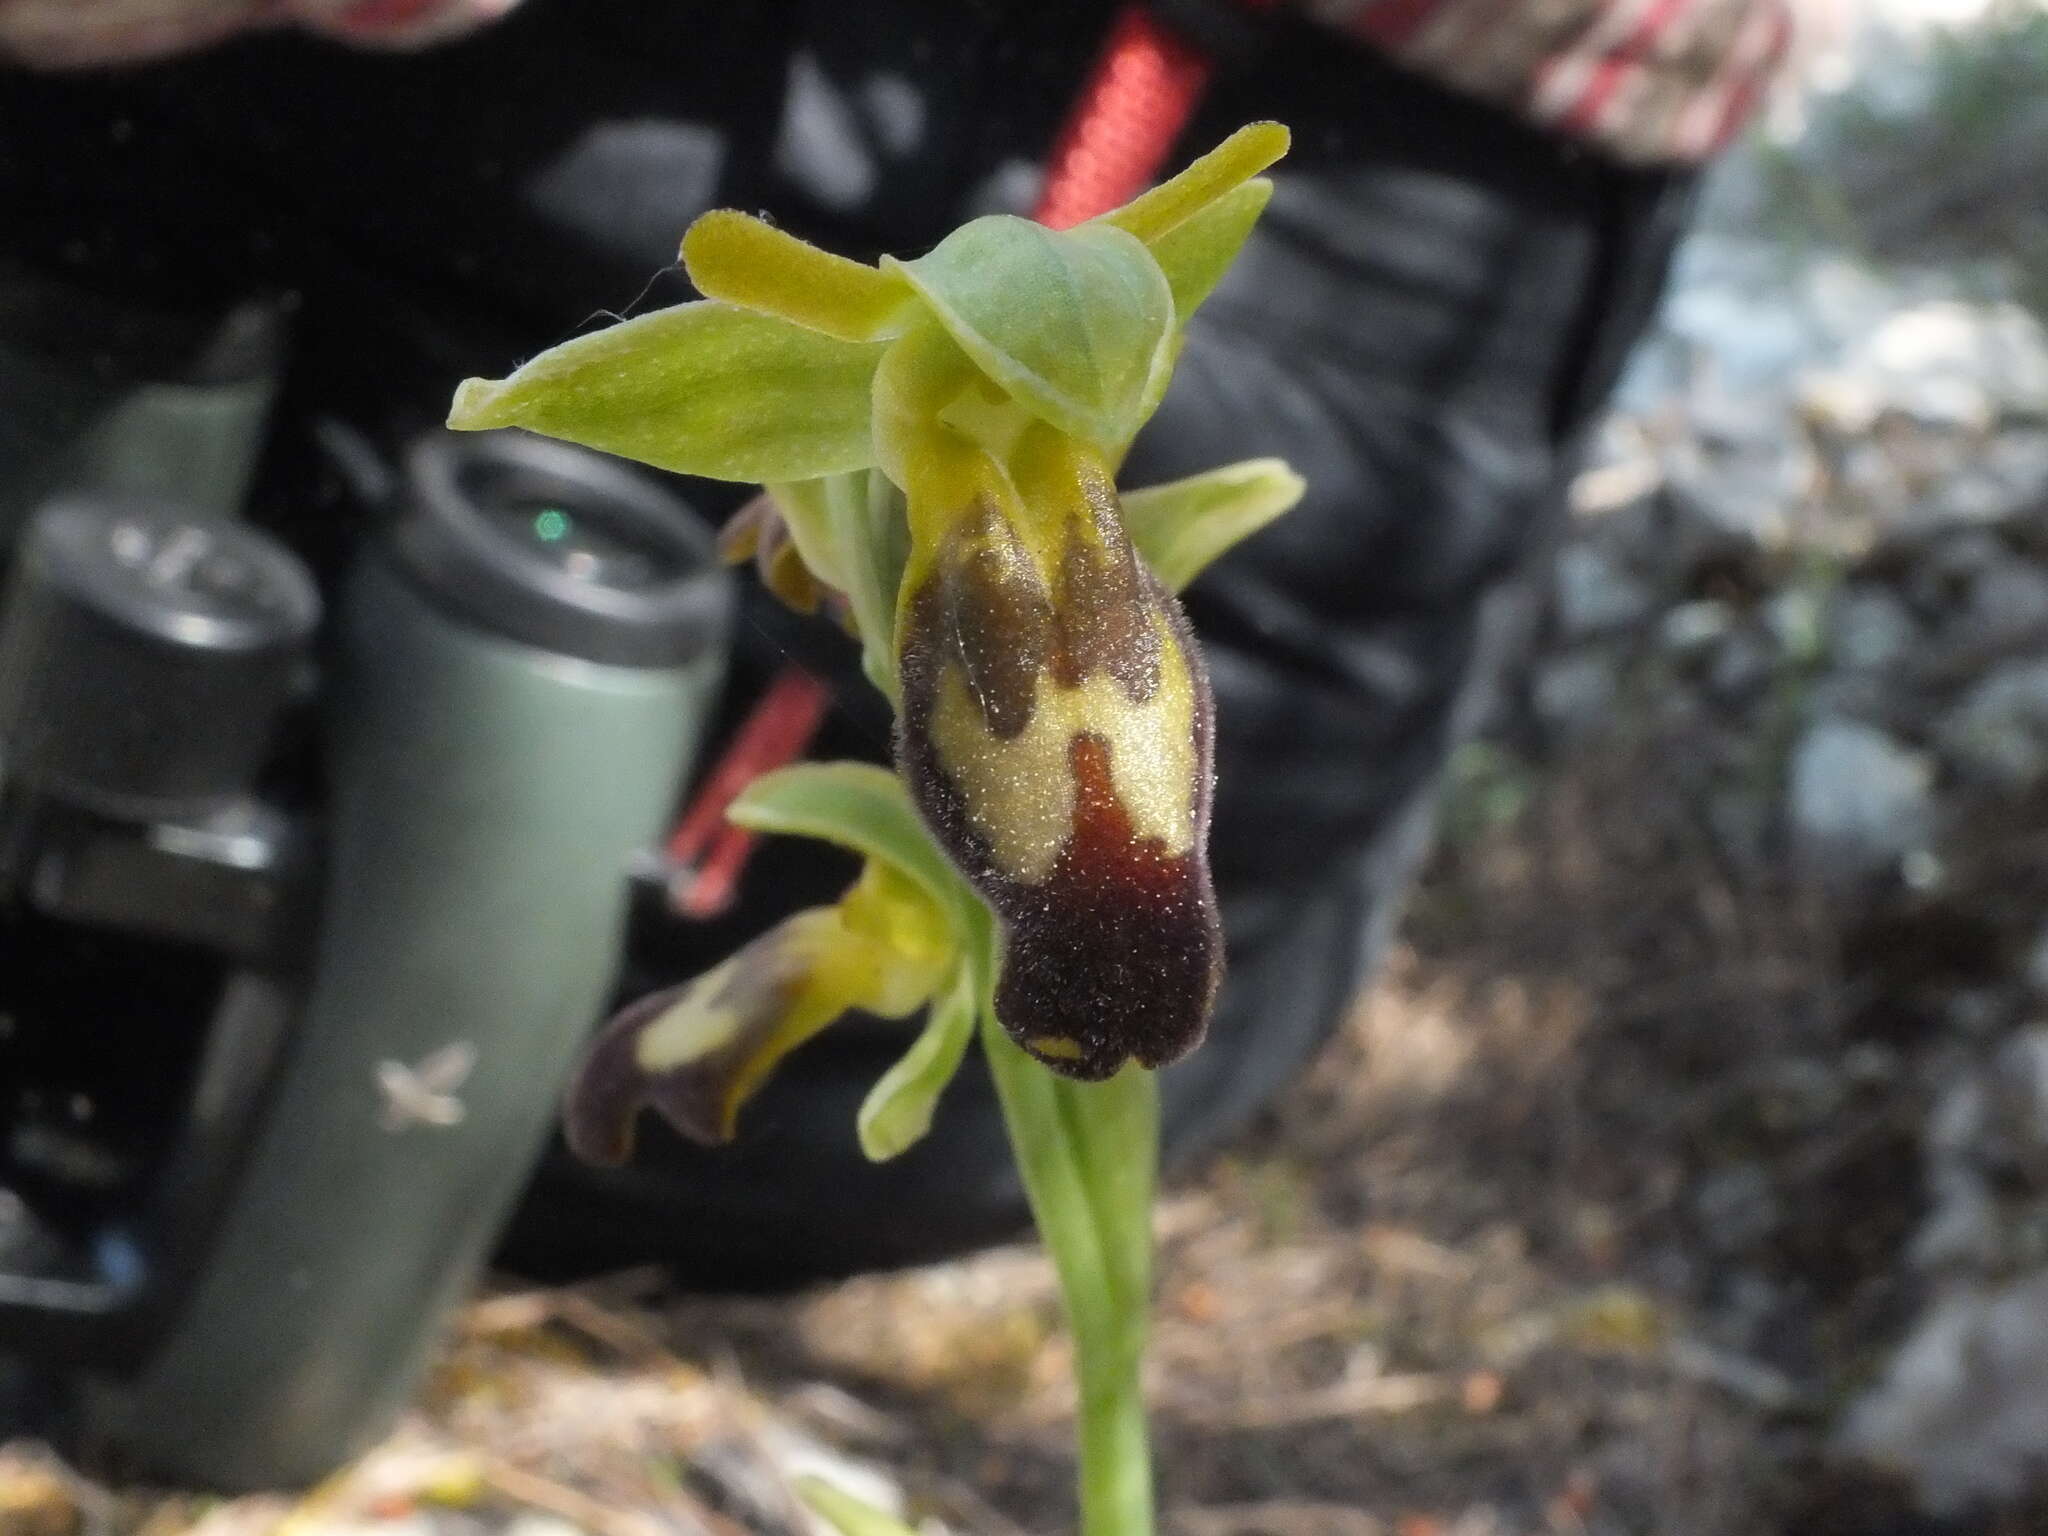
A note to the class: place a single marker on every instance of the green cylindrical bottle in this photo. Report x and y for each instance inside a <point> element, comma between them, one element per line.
<point>521,678</point>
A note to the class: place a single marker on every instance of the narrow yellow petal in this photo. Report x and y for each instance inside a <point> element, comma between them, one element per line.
<point>749,262</point>
<point>1237,159</point>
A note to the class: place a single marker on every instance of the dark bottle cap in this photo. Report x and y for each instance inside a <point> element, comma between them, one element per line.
<point>560,548</point>
<point>145,654</point>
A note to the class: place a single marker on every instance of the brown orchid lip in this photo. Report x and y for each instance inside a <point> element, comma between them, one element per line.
<point>1017,702</point>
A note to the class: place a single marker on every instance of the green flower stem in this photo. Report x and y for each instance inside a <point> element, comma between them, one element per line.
<point>1089,1155</point>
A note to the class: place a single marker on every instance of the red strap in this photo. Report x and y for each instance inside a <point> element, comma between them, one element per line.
<point>707,853</point>
<point>1135,104</point>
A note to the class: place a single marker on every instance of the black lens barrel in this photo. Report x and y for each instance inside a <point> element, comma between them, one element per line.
<point>145,655</point>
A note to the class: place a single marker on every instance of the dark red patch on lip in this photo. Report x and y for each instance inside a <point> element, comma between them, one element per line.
<point>1119,952</point>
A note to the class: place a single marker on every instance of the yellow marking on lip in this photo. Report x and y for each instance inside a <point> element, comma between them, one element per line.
<point>1054,1046</point>
<point>1019,791</point>
<point>690,1029</point>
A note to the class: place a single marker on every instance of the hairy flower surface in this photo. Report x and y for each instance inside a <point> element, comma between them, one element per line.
<point>1055,733</point>
<point>939,439</point>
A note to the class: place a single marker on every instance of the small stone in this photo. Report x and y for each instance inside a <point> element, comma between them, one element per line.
<point>2001,480</point>
<point>1481,1392</point>
<point>1870,1062</point>
<point>1869,630</point>
<point>1958,403</point>
<point>1942,567</point>
<point>1795,618</point>
<point>1963,1408</point>
<point>1966,555</point>
<point>1690,629</point>
<point>1736,1207</point>
<point>1622,474</point>
<point>1961,364</point>
<point>2019,1106</point>
<point>2007,602</point>
<point>1975,1012</point>
<point>1923,870</point>
<point>1738,321</point>
<point>1762,1385</point>
<point>36,1499</point>
<point>1738,493</point>
<point>528,1523</point>
<point>1998,734</point>
<point>1742,667</point>
<point>1838,401</point>
<point>1575,692</point>
<point>1802,1091</point>
<point>1594,595</point>
<point>1849,695</point>
<point>1859,802</point>
<point>1876,489</point>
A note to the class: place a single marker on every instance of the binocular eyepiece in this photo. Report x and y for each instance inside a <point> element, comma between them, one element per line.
<point>146,656</point>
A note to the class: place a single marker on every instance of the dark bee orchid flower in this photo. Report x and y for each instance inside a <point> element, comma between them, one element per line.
<point>939,439</point>
<point>1055,732</point>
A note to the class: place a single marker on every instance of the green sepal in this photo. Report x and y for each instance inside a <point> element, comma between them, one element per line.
<point>865,808</point>
<point>861,807</point>
<point>1074,324</point>
<point>699,1050</point>
<point>875,533</point>
<point>1180,527</point>
<point>1195,253</point>
<point>852,535</point>
<point>701,389</point>
<point>806,508</point>
<point>898,1109</point>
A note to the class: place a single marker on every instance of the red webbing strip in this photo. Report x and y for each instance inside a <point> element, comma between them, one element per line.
<point>1143,90</point>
